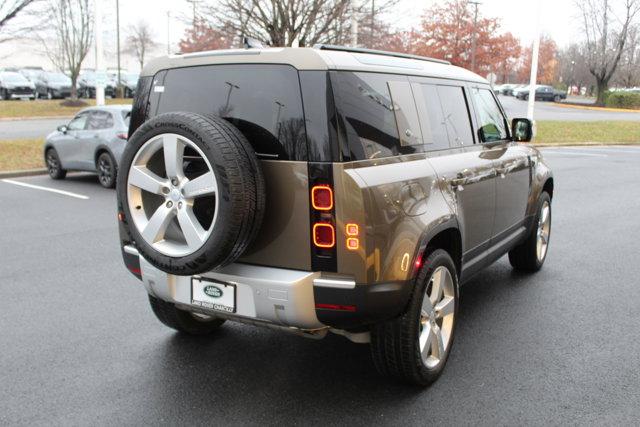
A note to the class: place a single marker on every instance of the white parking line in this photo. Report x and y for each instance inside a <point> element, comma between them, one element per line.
<point>628,150</point>
<point>52,190</point>
<point>574,153</point>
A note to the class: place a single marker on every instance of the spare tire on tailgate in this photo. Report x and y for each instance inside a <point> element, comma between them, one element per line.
<point>192,192</point>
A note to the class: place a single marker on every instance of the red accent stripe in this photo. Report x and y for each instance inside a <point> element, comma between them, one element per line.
<point>135,270</point>
<point>336,307</point>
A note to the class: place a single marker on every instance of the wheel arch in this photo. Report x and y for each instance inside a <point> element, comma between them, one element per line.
<point>103,149</point>
<point>446,236</point>
<point>548,186</point>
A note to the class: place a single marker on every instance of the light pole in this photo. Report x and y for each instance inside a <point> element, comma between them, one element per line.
<point>99,65</point>
<point>194,3</point>
<point>168,32</point>
<point>534,64</point>
<point>475,30</point>
<point>119,88</point>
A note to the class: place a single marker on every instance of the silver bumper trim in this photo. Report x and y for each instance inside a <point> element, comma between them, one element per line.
<point>325,282</point>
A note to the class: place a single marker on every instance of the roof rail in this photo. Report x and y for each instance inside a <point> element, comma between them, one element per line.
<point>378,52</point>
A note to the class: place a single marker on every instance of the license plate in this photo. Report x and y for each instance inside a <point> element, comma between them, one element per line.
<point>213,294</point>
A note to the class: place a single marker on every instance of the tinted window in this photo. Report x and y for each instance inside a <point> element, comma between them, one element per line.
<point>100,120</point>
<point>432,122</point>
<point>320,117</point>
<point>491,122</point>
<point>262,101</point>
<point>78,122</point>
<point>368,122</point>
<point>456,115</point>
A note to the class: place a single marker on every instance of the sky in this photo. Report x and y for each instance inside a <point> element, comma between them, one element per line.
<point>559,19</point>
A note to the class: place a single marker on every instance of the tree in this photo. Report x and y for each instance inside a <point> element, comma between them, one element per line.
<point>547,62</point>
<point>9,10</point>
<point>606,36</point>
<point>572,68</point>
<point>140,41</point>
<point>202,37</point>
<point>628,73</point>
<point>289,22</point>
<point>447,32</point>
<point>72,23</point>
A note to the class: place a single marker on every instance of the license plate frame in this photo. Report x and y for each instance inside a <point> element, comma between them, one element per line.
<point>223,303</point>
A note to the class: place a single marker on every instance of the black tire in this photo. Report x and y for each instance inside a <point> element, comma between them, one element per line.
<point>54,167</point>
<point>107,170</point>
<point>526,97</point>
<point>5,95</point>
<point>524,257</point>
<point>241,197</point>
<point>394,343</point>
<point>50,94</point>
<point>557,98</point>
<point>183,321</point>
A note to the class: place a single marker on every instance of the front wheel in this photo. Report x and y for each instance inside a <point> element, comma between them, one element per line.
<point>415,346</point>
<point>184,321</point>
<point>54,166</point>
<point>106,168</point>
<point>530,254</point>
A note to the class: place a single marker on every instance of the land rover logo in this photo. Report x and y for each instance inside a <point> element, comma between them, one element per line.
<point>213,291</point>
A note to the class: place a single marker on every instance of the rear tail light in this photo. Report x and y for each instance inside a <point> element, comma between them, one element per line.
<point>324,235</point>
<point>322,197</point>
<point>122,136</point>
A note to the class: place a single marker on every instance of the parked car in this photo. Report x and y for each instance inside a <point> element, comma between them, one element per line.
<point>87,85</point>
<point>14,85</point>
<point>543,93</point>
<point>130,81</point>
<point>360,214</point>
<point>52,85</point>
<point>92,141</point>
<point>507,89</point>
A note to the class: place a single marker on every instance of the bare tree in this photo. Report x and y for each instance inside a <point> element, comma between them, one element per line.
<point>287,22</point>
<point>140,41</point>
<point>9,10</point>
<point>72,23</point>
<point>628,74</point>
<point>607,31</point>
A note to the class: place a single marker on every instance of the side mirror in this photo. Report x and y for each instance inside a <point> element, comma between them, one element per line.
<point>63,128</point>
<point>522,130</point>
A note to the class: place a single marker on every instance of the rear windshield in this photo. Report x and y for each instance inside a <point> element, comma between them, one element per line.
<point>262,101</point>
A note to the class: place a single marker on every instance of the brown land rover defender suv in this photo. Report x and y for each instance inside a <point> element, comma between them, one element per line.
<point>326,189</point>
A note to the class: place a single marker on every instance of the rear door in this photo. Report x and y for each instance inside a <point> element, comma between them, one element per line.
<point>511,162</point>
<point>99,132</point>
<point>465,168</point>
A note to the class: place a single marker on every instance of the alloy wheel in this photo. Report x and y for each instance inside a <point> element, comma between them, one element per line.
<point>52,163</point>
<point>105,171</point>
<point>544,230</point>
<point>437,317</point>
<point>172,194</point>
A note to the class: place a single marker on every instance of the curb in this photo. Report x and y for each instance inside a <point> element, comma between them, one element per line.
<point>19,119</point>
<point>27,172</point>
<point>589,107</point>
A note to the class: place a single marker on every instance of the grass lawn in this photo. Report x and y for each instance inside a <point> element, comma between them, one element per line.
<point>21,154</point>
<point>584,133</point>
<point>43,107</point>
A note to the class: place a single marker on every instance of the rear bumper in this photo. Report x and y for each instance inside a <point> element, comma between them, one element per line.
<point>287,298</point>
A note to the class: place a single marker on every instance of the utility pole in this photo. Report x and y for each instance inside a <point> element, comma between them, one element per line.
<point>354,26</point>
<point>168,32</point>
<point>119,88</point>
<point>475,31</point>
<point>534,64</point>
<point>373,20</point>
<point>100,74</point>
<point>195,16</point>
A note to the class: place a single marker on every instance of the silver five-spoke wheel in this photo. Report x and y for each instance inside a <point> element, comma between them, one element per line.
<point>163,194</point>
<point>436,317</point>
<point>544,229</point>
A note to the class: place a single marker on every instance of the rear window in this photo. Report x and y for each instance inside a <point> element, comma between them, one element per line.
<point>262,101</point>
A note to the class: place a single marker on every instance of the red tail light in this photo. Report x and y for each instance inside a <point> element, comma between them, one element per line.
<point>122,136</point>
<point>324,235</point>
<point>322,197</point>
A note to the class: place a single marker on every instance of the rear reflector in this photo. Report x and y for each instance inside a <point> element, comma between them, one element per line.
<point>322,197</point>
<point>324,235</point>
<point>353,243</point>
<point>352,229</point>
<point>336,307</point>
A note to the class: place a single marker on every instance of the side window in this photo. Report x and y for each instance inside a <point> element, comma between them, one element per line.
<point>262,101</point>
<point>100,120</point>
<point>492,125</point>
<point>367,114</point>
<point>432,122</point>
<point>456,115</point>
<point>78,122</point>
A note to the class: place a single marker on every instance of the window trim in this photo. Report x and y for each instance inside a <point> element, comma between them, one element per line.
<point>476,126</point>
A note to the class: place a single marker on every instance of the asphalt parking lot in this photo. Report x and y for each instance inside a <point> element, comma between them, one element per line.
<point>81,346</point>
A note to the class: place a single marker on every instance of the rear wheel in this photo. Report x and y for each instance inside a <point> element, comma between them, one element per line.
<point>107,170</point>
<point>53,164</point>
<point>530,255</point>
<point>184,321</point>
<point>415,346</point>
